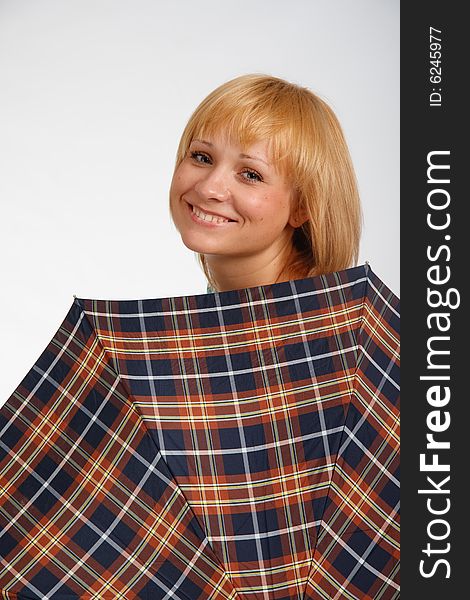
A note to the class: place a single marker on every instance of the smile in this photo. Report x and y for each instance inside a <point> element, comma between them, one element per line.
<point>200,216</point>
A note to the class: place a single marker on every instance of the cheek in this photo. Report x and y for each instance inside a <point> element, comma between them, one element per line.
<point>181,179</point>
<point>174,183</point>
<point>271,211</point>
<point>176,192</point>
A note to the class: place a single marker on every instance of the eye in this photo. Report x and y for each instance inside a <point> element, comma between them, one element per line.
<point>200,157</point>
<point>252,176</point>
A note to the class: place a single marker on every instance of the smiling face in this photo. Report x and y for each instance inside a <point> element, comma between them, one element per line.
<point>231,202</point>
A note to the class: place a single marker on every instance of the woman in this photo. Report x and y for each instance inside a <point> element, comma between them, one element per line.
<point>264,189</point>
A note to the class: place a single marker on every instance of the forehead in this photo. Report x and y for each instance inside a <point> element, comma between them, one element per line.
<point>220,140</point>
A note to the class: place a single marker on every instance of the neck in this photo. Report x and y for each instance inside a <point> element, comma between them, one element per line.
<point>230,272</point>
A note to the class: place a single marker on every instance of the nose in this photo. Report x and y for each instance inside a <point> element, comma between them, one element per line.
<point>214,184</point>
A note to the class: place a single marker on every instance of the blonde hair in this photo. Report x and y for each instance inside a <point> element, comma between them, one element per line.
<point>307,145</point>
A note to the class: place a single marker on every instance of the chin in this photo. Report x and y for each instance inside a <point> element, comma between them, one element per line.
<point>194,243</point>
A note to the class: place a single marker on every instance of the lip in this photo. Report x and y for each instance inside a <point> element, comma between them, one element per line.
<point>199,221</point>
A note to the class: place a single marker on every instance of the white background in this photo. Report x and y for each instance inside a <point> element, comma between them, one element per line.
<point>94,95</point>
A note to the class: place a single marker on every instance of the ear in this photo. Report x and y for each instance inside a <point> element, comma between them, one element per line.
<point>298,217</point>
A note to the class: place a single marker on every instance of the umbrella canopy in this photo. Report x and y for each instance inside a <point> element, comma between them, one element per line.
<point>233,445</point>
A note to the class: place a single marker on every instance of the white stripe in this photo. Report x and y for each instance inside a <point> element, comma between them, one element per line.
<point>220,307</point>
<point>230,373</point>
<point>379,368</point>
<point>276,444</point>
<point>250,536</point>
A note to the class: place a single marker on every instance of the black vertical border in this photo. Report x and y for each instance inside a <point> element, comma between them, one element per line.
<point>424,129</point>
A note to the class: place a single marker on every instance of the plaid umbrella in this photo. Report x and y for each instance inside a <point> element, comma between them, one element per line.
<point>233,445</point>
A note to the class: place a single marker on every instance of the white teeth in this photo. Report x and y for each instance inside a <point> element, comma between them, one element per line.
<point>210,218</point>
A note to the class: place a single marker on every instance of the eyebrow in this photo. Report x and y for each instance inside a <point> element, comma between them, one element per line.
<point>242,155</point>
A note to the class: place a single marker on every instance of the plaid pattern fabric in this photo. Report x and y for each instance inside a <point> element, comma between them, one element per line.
<point>233,445</point>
